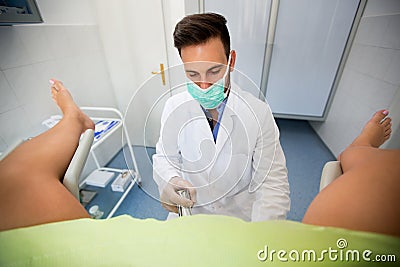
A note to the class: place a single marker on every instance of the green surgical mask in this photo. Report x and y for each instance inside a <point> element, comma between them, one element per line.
<point>211,97</point>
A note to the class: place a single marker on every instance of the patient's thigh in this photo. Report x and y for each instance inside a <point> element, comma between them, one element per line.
<point>364,198</point>
<point>30,202</point>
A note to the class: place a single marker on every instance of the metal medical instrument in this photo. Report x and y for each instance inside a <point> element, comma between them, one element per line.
<point>184,211</point>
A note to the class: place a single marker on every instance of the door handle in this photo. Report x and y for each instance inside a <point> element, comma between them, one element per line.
<point>160,72</point>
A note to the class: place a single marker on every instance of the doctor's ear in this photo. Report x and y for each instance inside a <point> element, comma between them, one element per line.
<point>233,60</point>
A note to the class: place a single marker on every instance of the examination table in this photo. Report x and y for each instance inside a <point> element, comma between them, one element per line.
<point>200,240</point>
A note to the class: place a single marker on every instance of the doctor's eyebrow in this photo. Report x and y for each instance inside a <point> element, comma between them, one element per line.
<point>213,68</point>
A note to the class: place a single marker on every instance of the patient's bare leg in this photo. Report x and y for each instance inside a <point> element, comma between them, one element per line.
<point>366,196</point>
<point>375,132</point>
<point>31,191</point>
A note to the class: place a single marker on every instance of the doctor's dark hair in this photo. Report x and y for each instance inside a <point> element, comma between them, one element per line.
<point>197,29</point>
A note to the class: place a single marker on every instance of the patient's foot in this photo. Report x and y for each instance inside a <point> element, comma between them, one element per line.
<point>376,131</point>
<point>65,102</point>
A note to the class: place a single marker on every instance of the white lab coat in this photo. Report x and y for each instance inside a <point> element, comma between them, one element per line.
<point>242,174</point>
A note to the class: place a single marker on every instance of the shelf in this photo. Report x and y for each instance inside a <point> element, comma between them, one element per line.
<point>107,200</point>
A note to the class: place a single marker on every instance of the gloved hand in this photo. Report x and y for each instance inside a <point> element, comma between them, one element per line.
<point>170,198</point>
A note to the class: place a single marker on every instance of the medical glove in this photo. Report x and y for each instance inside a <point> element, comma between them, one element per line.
<point>170,197</point>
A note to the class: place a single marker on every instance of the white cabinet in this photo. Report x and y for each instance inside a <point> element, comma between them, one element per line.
<point>298,77</point>
<point>248,25</point>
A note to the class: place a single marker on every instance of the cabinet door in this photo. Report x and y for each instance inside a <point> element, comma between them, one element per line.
<point>248,26</point>
<point>310,39</point>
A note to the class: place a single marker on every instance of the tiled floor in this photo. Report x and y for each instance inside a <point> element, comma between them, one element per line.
<point>305,156</point>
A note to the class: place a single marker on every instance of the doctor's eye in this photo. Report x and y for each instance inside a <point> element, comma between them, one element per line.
<point>192,74</point>
<point>215,71</point>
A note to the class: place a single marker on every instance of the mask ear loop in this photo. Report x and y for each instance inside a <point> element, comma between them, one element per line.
<point>228,68</point>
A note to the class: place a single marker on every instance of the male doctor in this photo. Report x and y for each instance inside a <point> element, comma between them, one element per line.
<point>218,142</point>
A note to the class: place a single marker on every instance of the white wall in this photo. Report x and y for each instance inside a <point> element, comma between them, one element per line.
<point>67,46</point>
<point>371,78</point>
